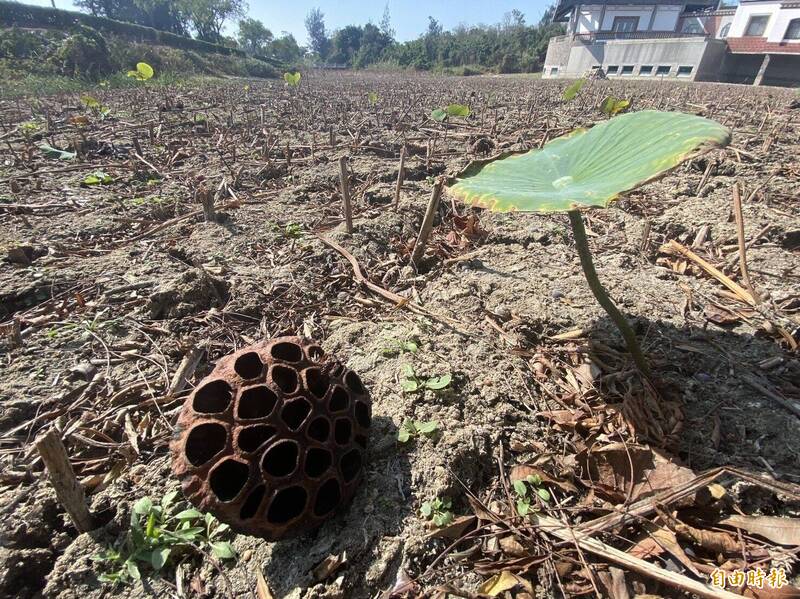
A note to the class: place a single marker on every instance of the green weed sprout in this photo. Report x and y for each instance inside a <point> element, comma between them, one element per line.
<point>373,98</point>
<point>591,168</point>
<point>292,79</point>
<point>157,537</point>
<point>29,128</point>
<point>412,382</point>
<point>97,178</point>
<point>452,110</point>
<point>143,72</point>
<point>411,429</point>
<point>395,347</point>
<point>438,510</point>
<point>525,490</point>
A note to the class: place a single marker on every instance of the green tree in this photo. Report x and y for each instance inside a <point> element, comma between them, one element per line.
<point>208,17</point>
<point>254,37</point>
<point>374,42</point>
<point>315,26</point>
<point>345,44</point>
<point>285,48</point>
<point>386,24</point>
<point>159,14</point>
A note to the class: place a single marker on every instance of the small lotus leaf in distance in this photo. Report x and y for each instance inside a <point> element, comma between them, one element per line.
<point>145,70</point>
<point>573,90</point>
<point>439,114</point>
<point>589,167</point>
<point>293,79</point>
<point>458,110</point>
<point>612,106</point>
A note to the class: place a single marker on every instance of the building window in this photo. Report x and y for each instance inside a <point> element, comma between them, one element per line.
<point>793,30</point>
<point>627,69</point>
<point>723,33</point>
<point>684,71</point>
<point>693,26</point>
<point>612,69</point>
<point>554,71</point>
<point>663,69</point>
<point>757,26</point>
<point>646,70</point>
<point>625,24</point>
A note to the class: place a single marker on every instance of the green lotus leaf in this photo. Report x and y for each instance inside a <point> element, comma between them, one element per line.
<point>458,110</point>
<point>573,90</point>
<point>145,70</point>
<point>612,106</point>
<point>589,167</point>
<point>439,114</point>
<point>292,79</point>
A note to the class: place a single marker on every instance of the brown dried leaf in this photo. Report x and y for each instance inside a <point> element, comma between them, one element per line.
<point>261,587</point>
<point>784,531</point>
<point>667,539</point>
<point>562,417</point>
<point>614,583</point>
<point>328,566</point>
<point>504,581</point>
<point>646,547</point>
<point>512,547</point>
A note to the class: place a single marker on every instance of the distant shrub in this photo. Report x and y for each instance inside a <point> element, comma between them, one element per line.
<point>83,54</point>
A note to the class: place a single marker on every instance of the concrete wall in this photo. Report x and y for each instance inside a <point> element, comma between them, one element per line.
<point>783,69</point>
<point>558,51</point>
<point>714,56</point>
<point>671,52</point>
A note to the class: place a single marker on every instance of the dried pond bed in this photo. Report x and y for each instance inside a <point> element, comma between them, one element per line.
<point>116,286</point>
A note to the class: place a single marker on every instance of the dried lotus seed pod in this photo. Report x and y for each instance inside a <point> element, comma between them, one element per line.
<point>272,441</point>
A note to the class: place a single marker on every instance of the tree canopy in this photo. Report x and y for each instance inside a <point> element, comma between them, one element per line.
<point>510,46</point>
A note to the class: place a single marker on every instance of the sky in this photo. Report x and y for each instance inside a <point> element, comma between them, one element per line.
<point>409,17</point>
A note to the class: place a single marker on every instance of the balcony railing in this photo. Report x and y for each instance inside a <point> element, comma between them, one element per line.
<point>595,36</point>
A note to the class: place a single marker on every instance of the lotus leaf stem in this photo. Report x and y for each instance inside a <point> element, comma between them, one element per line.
<point>582,245</point>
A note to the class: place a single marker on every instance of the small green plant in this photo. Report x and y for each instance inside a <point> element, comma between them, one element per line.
<point>526,489</point>
<point>97,178</point>
<point>411,382</point>
<point>157,536</point>
<point>411,429</point>
<point>143,72</point>
<point>573,90</point>
<point>611,105</point>
<point>396,347</point>
<point>292,79</point>
<point>93,104</point>
<point>452,110</point>
<point>29,128</point>
<point>293,231</point>
<point>438,511</point>
<point>373,98</point>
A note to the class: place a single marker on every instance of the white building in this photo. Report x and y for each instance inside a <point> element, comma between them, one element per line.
<point>754,42</point>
